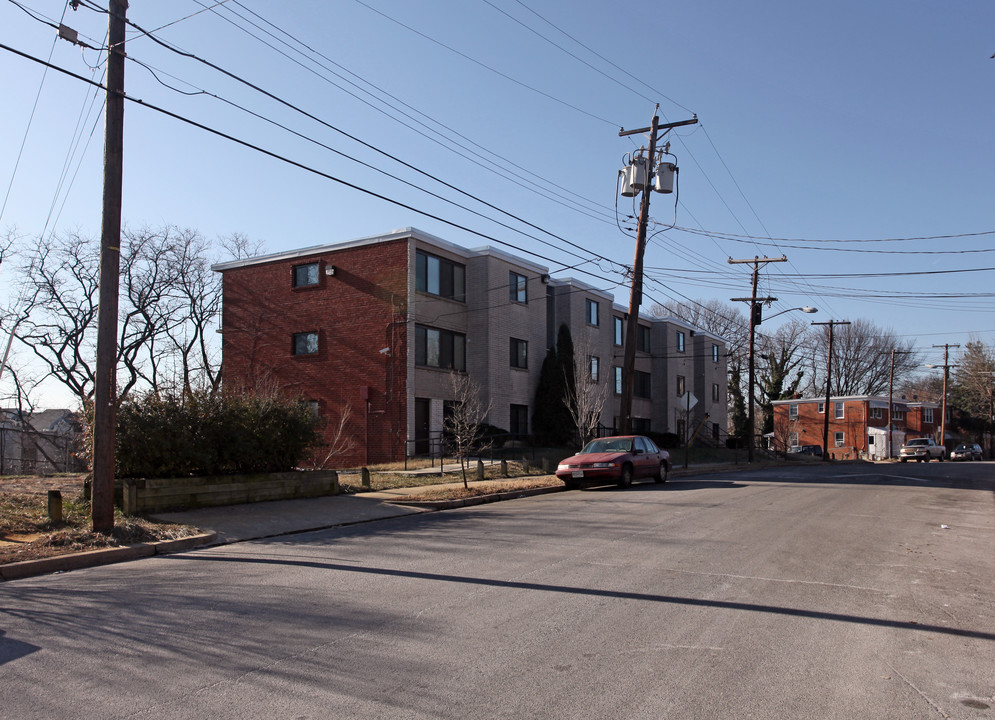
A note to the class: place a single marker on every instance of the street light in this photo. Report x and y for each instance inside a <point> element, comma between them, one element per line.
<point>805,309</point>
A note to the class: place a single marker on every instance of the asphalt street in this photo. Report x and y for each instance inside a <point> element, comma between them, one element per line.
<point>848,591</point>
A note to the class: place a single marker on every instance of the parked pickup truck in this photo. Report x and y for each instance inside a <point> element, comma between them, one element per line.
<point>922,449</point>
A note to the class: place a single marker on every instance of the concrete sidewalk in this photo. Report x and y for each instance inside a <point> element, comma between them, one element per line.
<point>237,523</point>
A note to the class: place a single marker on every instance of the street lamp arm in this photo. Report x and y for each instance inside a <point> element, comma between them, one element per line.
<point>804,309</point>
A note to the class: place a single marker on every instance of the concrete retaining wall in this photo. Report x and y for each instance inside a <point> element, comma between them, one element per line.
<point>162,494</point>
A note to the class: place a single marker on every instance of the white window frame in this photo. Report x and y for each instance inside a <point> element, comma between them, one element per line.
<point>839,439</point>
<point>839,410</point>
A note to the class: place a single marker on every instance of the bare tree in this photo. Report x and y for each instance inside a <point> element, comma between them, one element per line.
<point>777,373</point>
<point>462,424</point>
<point>170,304</point>
<point>587,391</point>
<point>338,442</point>
<point>861,359</point>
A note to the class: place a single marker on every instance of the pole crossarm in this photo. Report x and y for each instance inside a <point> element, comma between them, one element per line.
<point>658,126</point>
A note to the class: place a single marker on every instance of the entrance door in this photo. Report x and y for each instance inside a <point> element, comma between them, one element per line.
<point>423,413</point>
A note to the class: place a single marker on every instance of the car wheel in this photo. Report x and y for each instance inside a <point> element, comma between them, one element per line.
<point>925,459</point>
<point>661,475</point>
<point>625,479</point>
<point>571,484</point>
<point>902,459</point>
<point>941,458</point>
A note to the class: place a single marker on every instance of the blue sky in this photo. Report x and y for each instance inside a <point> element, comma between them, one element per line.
<point>851,122</point>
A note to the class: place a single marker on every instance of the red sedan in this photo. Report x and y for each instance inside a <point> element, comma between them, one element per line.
<point>619,459</point>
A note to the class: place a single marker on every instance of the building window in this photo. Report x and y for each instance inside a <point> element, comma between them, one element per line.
<point>519,353</point>
<point>306,275</point>
<point>792,412</point>
<point>517,287</point>
<point>839,439</point>
<point>642,338</point>
<point>518,423</point>
<point>822,408</point>
<point>313,407</point>
<point>680,385</point>
<point>715,352</point>
<point>617,372</point>
<point>838,410</point>
<point>898,414</point>
<point>716,393</point>
<point>641,426</point>
<point>680,341</point>
<point>793,439</point>
<point>617,331</point>
<point>438,276</point>
<point>440,348</point>
<point>591,312</point>
<point>305,343</point>
<point>876,413</point>
<point>680,428</point>
<point>594,364</point>
<point>641,384</point>
<point>927,415</point>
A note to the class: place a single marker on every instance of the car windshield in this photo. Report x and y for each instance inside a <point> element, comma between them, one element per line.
<point>608,445</point>
<point>921,441</point>
<point>962,448</point>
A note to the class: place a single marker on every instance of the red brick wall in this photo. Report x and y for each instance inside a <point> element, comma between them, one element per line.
<point>357,312</point>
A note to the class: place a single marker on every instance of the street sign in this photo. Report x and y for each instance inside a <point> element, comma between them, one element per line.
<point>688,401</point>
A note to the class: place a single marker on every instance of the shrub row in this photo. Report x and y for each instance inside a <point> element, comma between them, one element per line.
<point>179,435</point>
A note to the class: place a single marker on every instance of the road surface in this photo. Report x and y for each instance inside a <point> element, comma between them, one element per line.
<point>848,591</point>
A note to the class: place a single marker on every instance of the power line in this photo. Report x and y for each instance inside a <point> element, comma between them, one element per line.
<point>287,160</point>
<point>309,115</point>
<point>487,67</point>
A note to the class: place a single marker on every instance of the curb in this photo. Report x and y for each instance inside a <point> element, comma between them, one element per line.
<point>107,556</point>
<point>478,499</point>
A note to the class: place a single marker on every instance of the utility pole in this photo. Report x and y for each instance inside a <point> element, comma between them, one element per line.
<point>891,392</point>
<point>105,384</point>
<point>946,376</point>
<point>636,293</point>
<point>829,382</point>
<point>756,317</point>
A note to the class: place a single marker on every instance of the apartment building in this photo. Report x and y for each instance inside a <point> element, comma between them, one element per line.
<point>858,424</point>
<point>372,330</point>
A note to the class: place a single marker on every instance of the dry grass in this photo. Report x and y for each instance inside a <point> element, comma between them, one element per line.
<point>27,533</point>
<point>486,487</point>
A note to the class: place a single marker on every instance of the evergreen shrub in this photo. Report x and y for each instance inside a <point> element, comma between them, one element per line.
<point>199,433</point>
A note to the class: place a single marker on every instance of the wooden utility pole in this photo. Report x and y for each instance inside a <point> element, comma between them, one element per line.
<point>756,317</point>
<point>946,375</point>
<point>636,293</point>
<point>829,385</point>
<point>105,384</point>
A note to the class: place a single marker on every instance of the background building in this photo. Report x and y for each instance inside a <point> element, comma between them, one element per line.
<point>858,425</point>
<point>374,328</point>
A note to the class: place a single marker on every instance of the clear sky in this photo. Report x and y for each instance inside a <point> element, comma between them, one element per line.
<point>825,129</point>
